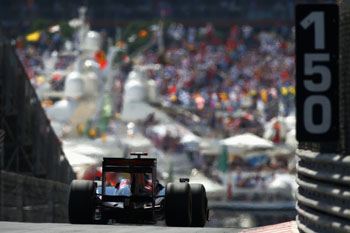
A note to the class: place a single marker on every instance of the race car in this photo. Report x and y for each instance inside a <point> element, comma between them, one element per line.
<point>137,196</point>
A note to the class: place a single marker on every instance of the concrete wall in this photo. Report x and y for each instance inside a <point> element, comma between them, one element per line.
<point>29,199</point>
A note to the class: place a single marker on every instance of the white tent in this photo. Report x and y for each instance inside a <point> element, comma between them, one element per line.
<point>244,142</point>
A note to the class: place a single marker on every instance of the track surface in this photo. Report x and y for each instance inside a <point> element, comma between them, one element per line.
<point>64,228</point>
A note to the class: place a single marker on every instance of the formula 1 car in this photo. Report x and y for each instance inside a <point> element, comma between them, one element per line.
<point>137,197</point>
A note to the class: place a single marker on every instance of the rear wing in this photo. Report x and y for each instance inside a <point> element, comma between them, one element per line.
<point>129,165</point>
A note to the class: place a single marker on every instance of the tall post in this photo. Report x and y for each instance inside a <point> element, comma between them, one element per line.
<point>2,165</point>
<point>160,37</point>
<point>344,105</point>
<point>2,131</point>
<point>323,117</point>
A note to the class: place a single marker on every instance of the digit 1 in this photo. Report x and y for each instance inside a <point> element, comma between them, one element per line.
<point>316,17</point>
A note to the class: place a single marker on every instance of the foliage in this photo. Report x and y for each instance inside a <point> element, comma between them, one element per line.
<point>133,29</point>
<point>66,30</point>
<point>44,24</point>
<point>40,24</point>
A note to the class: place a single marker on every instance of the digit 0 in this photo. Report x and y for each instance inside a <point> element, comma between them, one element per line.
<point>309,112</point>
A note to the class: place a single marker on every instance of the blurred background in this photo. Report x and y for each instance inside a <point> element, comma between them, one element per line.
<point>206,87</point>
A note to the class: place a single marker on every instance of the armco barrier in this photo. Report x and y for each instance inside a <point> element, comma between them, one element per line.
<point>30,199</point>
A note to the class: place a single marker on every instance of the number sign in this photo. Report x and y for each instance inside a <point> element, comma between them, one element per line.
<point>317,28</point>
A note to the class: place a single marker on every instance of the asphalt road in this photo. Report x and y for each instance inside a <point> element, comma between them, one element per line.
<point>21,227</point>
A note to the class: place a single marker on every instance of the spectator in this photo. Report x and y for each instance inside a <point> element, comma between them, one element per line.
<point>248,74</point>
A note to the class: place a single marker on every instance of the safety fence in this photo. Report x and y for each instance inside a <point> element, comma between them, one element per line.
<point>29,148</point>
<point>28,143</point>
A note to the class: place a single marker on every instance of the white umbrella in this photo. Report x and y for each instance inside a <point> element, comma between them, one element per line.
<point>240,143</point>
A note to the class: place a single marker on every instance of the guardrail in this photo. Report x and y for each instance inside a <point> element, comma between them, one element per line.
<point>30,199</point>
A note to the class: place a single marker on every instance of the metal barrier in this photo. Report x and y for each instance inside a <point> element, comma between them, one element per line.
<point>324,193</point>
<point>28,144</point>
<point>30,199</point>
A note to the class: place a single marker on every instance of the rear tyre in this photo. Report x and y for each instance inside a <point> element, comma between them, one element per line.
<point>199,205</point>
<point>81,207</point>
<point>178,205</point>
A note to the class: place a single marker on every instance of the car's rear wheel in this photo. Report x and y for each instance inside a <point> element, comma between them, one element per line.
<point>199,205</point>
<point>81,207</point>
<point>178,205</point>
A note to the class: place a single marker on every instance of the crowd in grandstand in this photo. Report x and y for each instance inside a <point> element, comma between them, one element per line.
<point>237,82</point>
<point>233,83</point>
<point>234,79</point>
